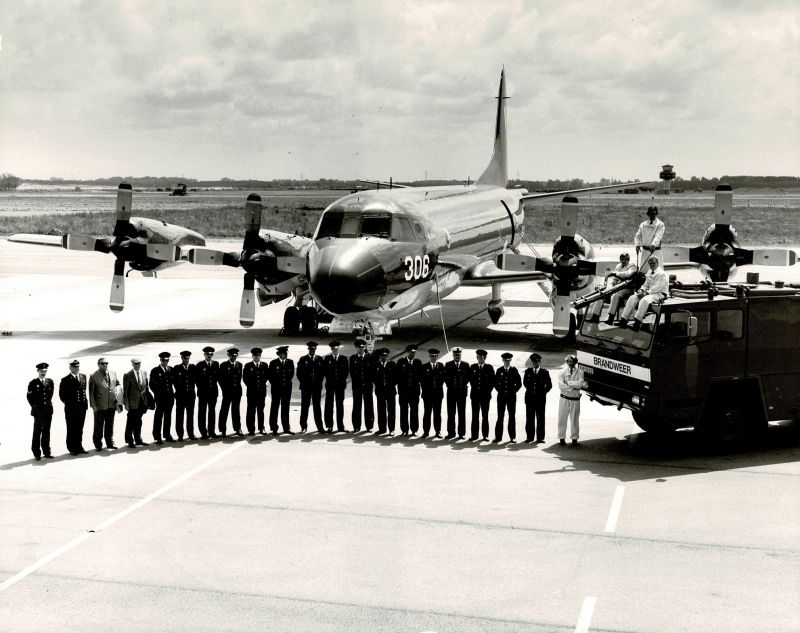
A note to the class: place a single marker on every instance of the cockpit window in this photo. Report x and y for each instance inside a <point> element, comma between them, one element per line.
<point>402,231</point>
<point>330,225</point>
<point>376,225</point>
<point>346,224</point>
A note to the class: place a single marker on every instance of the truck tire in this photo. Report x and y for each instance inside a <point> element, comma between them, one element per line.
<point>735,420</point>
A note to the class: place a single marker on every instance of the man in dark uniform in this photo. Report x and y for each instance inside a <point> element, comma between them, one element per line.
<point>408,374</point>
<point>230,383</point>
<point>164,396</point>
<point>72,392</point>
<point>361,365</point>
<point>40,397</point>
<point>281,372</point>
<point>205,377</point>
<point>256,377</point>
<point>432,383</point>
<point>336,371</point>
<point>507,383</point>
<point>384,380</point>
<point>310,373</point>
<point>481,382</point>
<point>137,399</point>
<point>183,382</point>
<point>537,383</point>
<point>456,377</point>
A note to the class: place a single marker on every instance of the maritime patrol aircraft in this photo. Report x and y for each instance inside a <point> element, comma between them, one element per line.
<point>380,255</point>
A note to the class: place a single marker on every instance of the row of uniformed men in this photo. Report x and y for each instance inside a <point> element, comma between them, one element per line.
<point>167,387</point>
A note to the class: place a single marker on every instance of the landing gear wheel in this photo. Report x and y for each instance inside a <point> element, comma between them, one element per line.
<point>308,320</point>
<point>291,320</point>
<point>495,314</point>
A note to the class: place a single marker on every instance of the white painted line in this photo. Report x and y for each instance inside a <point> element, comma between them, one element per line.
<point>585,618</point>
<point>616,506</point>
<point>108,522</point>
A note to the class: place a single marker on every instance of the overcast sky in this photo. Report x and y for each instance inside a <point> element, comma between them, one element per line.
<point>373,89</point>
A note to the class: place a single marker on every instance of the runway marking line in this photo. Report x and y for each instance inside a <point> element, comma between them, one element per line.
<point>110,521</point>
<point>616,506</point>
<point>585,618</point>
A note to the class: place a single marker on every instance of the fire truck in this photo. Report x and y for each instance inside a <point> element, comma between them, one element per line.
<point>722,359</point>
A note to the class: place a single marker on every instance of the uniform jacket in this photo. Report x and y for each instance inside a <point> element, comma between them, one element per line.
<point>133,396</point>
<point>407,376</point>
<point>481,381</point>
<point>383,377</point>
<point>281,374</point>
<point>432,379</point>
<point>72,392</point>
<point>40,396</point>
<point>507,381</point>
<point>570,382</point>
<point>456,376</point>
<point>205,378</point>
<point>310,372</point>
<point>536,385</point>
<point>101,391</point>
<point>336,371</point>
<point>361,370</point>
<point>183,379</point>
<point>161,383</point>
<point>230,377</point>
<point>256,379</point>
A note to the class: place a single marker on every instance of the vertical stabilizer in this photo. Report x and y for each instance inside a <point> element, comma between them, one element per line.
<point>496,173</point>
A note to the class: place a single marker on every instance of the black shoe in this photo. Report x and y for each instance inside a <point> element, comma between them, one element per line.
<point>169,438</point>
<point>73,453</point>
<point>303,429</point>
<point>262,432</point>
<point>413,434</point>
<point>212,435</point>
<point>574,442</point>
<point>38,458</point>
<point>485,439</point>
<point>391,433</point>
<point>610,320</point>
<point>192,437</point>
<point>473,439</point>
<point>204,436</point>
<point>240,434</point>
<point>439,435</point>
<point>131,445</point>
<point>424,435</point>
<point>528,441</point>
<point>112,447</point>
<point>637,325</point>
<point>274,432</point>
<point>49,456</point>
<point>99,449</point>
<point>562,442</point>
<point>623,323</point>
<point>159,442</point>
<point>447,437</point>
<point>224,434</point>
<point>513,441</point>
<point>251,433</point>
<point>83,451</point>
<point>289,432</point>
<point>495,441</point>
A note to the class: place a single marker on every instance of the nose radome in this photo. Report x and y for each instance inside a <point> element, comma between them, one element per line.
<point>346,277</point>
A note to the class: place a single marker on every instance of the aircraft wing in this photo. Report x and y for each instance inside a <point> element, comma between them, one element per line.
<point>553,194</point>
<point>34,238</point>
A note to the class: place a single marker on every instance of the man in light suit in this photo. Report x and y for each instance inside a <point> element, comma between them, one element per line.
<point>72,392</point>
<point>136,398</point>
<point>102,384</point>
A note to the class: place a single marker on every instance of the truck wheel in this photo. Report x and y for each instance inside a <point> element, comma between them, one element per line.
<point>643,421</point>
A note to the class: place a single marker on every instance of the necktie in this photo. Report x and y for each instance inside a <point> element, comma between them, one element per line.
<point>139,379</point>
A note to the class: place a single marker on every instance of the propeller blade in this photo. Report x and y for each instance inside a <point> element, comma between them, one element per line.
<point>117,300</point>
<point>252,222</point>
<point>163,252</point>
<point>210,257</point>
<point>568,216</point>
<point>561,312</point>
<point>723,204</point>
<point>516,262</point>
<point>766,256</point>
<point>591,267</point>
<point>247,309</point>
<point>77,242</point>
<point>683,255</point>
<point>124,203</point>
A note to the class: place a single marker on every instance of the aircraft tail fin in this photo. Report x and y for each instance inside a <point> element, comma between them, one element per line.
<point>496,172</point>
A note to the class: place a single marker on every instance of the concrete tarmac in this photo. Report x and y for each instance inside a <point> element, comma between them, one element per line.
<point>348,532</point>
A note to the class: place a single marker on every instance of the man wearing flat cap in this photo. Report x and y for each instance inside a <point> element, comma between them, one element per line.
<point>481,383</point>
<point>183,381</point>
<point>336,370</point>
<point>432,383</point>
<point>205,376</point>
<point>40,397</point>
<point>256,377</point>
<point>137,400</point>
<point>310,374</point>
<point>537,383</point>
<point>72,392</point>
<point>281,373</point>
<point>230,383</point>
<point>456,377</point>
<point>164,396</point>
<point>361,366</point>
<point>102,399</point>
<point>383,377</point>
<point>408,372</point>
<point>507,383</point>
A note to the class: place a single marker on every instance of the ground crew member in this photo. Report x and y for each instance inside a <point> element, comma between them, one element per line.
<point>481,382</point>
<point>361,365</point>
<point>281,372</point>
<point>570,382</point>
<point>653,290</point>
<point>648,237</point>
<point>205,376</point>
<point>336,370</point>
<point>537,383</point>
<point>456,377</point>
<point>137,400</point>
<point>432,383</point>
<point>103,401</point>
<point>40,397</point>
<point>72,392</point>
<point>507,383</point>
<point>164,396</point>
<point>407,372</point>
<point>183,383</point>
<point>310,374</point>
<point>256,376</point>
<point>230,383</point>
<point>383,378</point>
<point>622,272</point>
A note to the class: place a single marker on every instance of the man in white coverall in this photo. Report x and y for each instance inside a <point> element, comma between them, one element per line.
<point>648,237</point>
<point>653,290</point>
<point>570,381</point>
<point>622,272</point>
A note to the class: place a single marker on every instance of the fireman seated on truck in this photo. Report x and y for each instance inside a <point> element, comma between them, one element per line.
<point>654,290</point>
<point>622,272</point>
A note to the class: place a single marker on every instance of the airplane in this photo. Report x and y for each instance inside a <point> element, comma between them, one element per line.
<point>378,255</point>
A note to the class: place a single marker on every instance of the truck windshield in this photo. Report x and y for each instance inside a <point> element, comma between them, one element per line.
<point>651,326</point>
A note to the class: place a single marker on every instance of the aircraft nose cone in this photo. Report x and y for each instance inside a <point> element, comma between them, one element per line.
<point>345,278</point>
